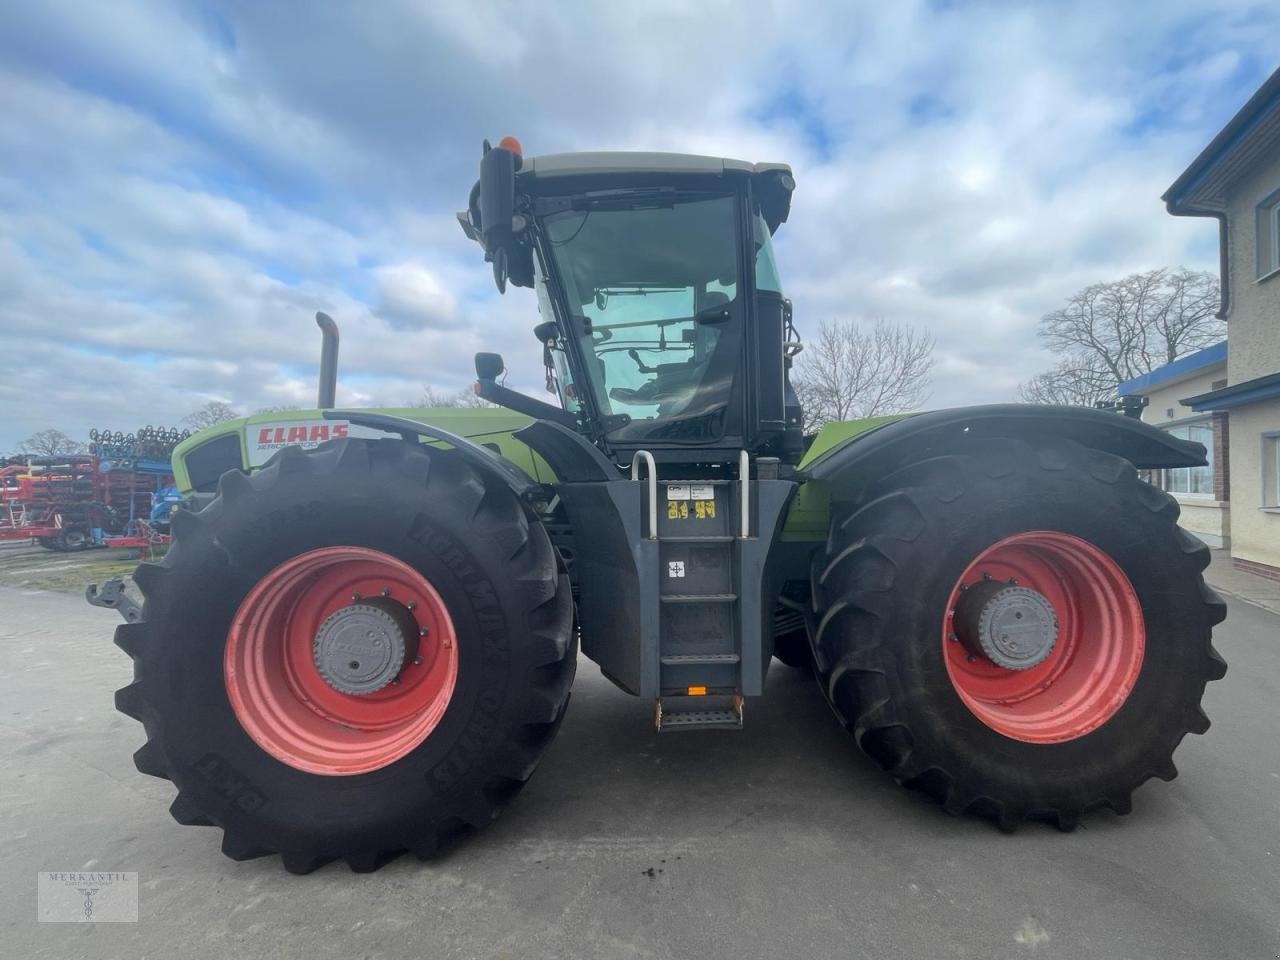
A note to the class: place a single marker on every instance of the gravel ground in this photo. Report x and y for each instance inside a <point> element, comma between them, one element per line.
<point>779,841</point>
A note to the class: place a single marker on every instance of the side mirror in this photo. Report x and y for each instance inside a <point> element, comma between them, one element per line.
<point>497,204</point>
<point>547,333</point>
<point>489,366</point>
<point>773,188</point>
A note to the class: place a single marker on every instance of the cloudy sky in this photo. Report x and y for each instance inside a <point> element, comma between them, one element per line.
<point>183,185</point>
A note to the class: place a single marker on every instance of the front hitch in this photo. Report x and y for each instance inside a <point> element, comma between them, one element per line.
<point>112,596</point>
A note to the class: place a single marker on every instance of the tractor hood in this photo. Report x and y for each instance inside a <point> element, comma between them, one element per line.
<point>249,442</point>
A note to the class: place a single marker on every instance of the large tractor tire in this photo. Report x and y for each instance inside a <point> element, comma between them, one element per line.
<point>361,650</point>
<point>1022,632</point>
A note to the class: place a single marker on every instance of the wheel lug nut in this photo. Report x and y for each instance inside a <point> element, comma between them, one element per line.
<point>953,638</point>
<point>411,605</point>
<point>422,631</point>
<point>355,597</point>
<point>417,661</point>
<point>386,591</point>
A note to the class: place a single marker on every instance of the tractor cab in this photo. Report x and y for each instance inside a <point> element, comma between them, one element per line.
<point>664,325</point>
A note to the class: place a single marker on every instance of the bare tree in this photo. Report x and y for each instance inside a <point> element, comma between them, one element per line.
<point>51,443</point>
<point>1111,332</point>
<point>215,411</point>
<point>849,371</point>
<point>433,397</point>
<point>282,408</point>
<point>1069,383</point>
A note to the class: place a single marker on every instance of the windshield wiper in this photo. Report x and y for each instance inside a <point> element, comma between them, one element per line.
<point>631,199</point>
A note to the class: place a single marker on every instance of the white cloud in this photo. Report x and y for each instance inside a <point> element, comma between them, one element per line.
<point>181,189</point>
<point>411,297</point>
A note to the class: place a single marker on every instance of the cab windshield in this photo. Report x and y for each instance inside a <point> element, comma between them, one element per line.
<point>651,285</point>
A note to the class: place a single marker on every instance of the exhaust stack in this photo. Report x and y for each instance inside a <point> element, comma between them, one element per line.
<point>328,361</point>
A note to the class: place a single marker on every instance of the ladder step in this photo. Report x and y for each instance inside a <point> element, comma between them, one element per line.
<point>698,483</point>
<point>700,720</point>
<point>698,713</point>
<point>704,539</point>
<point>699,597</point>
<point>683,659</point>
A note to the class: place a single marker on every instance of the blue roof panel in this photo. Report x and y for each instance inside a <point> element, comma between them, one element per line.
<point>1182,367</point>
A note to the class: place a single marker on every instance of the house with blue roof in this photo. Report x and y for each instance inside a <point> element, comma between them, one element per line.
<point>1203,493</point>
<point>1229,398</point>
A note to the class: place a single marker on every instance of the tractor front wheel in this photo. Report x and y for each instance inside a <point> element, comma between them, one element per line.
<point>362,649</point>
<point>1021,631</point>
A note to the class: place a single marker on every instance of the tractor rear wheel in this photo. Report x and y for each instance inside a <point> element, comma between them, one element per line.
<point>361,650</point>
<point>1022,632</point>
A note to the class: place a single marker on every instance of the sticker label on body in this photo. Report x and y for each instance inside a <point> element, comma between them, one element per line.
<point>264,439</point>
<point>702,509</point>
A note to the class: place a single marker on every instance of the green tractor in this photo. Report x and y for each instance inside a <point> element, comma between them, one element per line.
<point>366,639</point>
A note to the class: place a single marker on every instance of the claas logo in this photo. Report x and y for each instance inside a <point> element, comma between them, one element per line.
<point>301,433</point>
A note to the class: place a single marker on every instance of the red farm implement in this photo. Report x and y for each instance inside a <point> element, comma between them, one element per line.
<point>106,498</point>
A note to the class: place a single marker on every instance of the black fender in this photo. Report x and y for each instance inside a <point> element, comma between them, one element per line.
<point>572,457</point>
<point>849,467</point>
<point>482,458</point>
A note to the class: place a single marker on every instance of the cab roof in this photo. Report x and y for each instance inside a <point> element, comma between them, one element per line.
<point>615,163</point>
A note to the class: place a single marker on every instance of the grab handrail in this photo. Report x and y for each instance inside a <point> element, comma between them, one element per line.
<point>647,457</point>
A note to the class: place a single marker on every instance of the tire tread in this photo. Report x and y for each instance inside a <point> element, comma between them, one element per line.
<point>495,514</point>
<point>857,578</point>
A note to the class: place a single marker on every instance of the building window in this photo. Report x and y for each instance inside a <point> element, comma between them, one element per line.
<point>1269,235</point>
<point>1271,471</point>
<point>1192,481</point>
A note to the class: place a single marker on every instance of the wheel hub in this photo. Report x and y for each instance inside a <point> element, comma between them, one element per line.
<point>362,648</point>
<point>1014,627</point>
<point>287,663</point>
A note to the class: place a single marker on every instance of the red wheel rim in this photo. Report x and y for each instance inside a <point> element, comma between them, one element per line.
<point>278,693</point>
<point>1095,660</point>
